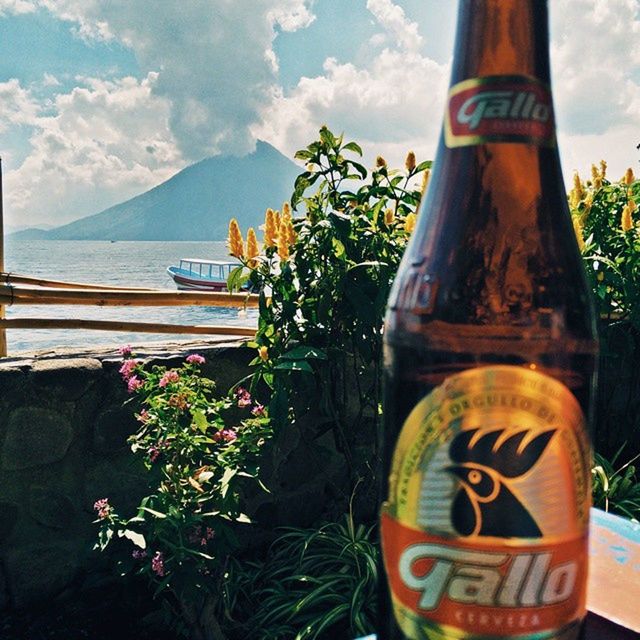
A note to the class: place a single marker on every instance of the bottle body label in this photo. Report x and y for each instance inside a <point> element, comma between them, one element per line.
<point>484,533</point>
<point>499,109</point>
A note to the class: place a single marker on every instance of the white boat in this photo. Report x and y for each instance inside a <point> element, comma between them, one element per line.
<point>203,275</point>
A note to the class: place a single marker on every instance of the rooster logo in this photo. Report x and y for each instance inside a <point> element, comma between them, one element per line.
<point>484,505</point>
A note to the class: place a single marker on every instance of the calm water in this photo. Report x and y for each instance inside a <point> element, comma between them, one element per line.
<point>109,263</point>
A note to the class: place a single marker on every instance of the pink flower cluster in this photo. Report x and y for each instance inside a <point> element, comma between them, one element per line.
<point>245,400</point>
<point>125,351</point>
<point>195,358</point>
<point>128,368</point>
<point>243,396</point>
<point>225,435</point>
<point>153,453</point>
<point>157,564</point>
<point>198,536</point>
<point>103,508</point>
<point>169,377</point>
<point>139,554</point>
<point>258,410</point>
<point>134,383</point>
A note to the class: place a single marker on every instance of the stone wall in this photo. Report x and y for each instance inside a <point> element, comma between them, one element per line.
<point>64,423</point>
<point>63,431</point>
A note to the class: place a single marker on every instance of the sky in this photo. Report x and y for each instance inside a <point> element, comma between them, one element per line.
<point>100,100</point>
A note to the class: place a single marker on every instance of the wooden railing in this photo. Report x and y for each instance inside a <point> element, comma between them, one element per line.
<point>25,290</point>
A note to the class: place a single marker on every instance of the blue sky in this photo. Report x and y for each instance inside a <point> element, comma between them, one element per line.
<point>103,99</point>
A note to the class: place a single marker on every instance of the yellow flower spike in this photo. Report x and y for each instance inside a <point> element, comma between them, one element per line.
<point>380,162</point>
<point>252,248</point>
<point>588,202</point>
<point>234,242</point>
<point>292,236</point>
<point>270,230</point>
<point>596,178</point>
<point>600,276</point>
<point>577,227</point>
<point>286,213</point>
<point>278,219</point>
<point>283,244</point>
<point>603,169</point>
<point>626,222</point>
<point>410,222</point>
<point>574,200</point>
<point>388,217</point>
<point>263,352</point>
<point>632,206</point>
<point>629,178</point>
<point>410,162</point>
<point>578,188</point>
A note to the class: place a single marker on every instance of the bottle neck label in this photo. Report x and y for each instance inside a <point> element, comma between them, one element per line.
<point>500,109</point>
<point>485,527</point>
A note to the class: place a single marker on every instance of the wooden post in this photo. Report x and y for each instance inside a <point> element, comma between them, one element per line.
<point>3,332</point>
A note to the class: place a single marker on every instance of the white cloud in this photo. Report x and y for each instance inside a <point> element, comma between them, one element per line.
<point>8,7</point>
<point>209,84</point>
<point>49,80</point>
<point>208,69</point>
<point>291,15</point>
<point>18,108</point>
<point>391,105</point>
<point>214,58</point>
<point>107,141</point>
<point>595,54</point>
<point>391,17</point>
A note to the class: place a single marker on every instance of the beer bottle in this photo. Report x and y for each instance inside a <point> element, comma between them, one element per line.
<point>490,357</point>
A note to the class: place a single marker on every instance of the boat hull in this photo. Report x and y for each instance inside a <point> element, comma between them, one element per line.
<point>192,282</point>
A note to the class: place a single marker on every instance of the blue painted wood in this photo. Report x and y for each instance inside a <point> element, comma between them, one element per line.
<point>614,569</point>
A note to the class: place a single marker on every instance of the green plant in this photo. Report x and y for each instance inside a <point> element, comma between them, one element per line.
<point>605,219</point>
<point>316,583</point>
<point>182,534</point>
<point>616,490</point>
<point>324,275</point>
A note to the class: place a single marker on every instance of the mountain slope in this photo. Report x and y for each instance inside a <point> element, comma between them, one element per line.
<point>195,204</point>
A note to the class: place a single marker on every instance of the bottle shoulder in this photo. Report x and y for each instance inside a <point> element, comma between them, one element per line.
<point>495,247</point>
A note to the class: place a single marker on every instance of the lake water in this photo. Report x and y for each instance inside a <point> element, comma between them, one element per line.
<point>109,263</point>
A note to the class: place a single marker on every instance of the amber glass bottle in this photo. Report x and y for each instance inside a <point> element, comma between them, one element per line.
<point>490,357</point>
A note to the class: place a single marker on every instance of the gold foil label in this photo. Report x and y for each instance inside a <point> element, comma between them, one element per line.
<point>485,529</point>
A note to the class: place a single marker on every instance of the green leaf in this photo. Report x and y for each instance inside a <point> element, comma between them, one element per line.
<point>153,512</point>
<point>200,420</point>
<point>135,537</point>
<point>423,165</point>
<point>205,476</point>
<point>327,137</point>
<point>339,249</point>
<point>352,146</point>
<point>237,279</point>
<point>303,154</point>
<point>304,353</point>
<point>227,477</point>
<point>294,365</point>
<point>359,168</point>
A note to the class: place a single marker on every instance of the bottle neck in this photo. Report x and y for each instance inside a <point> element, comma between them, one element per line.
<point>502,37</point>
